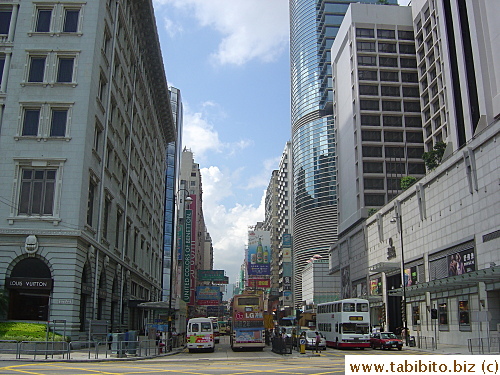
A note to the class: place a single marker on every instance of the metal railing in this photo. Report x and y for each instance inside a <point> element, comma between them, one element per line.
<point>484,345</point>
<point>424,342</point>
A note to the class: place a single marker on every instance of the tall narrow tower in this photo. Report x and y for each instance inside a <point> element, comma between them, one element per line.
<point>313,27</point>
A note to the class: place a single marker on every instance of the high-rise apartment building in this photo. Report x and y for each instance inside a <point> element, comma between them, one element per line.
<point>313,27</point>
<point>85,120</point>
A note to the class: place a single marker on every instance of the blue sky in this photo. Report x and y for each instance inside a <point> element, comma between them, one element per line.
<point>230,59</point>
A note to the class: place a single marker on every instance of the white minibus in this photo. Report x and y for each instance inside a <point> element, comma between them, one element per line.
<point>200,334</point>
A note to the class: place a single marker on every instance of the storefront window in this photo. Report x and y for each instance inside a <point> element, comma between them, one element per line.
<point>464,315</point>
<point>415,315</point>
<point>443,315</point>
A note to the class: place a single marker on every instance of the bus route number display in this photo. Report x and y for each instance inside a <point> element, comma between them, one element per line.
<point>355,318</point>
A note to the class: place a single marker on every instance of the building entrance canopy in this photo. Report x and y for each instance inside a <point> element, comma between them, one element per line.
<point>486,275</point>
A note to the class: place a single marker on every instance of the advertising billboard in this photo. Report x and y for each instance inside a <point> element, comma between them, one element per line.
<point>208,295</point>
<point>259,253</point>
<point>461,262</point>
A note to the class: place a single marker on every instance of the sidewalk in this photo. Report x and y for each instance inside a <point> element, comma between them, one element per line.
<point>81,356</point>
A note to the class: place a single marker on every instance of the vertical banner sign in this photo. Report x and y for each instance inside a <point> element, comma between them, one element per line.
<point>180,241</point>
<point>186,275</point>
<point>194,241</point>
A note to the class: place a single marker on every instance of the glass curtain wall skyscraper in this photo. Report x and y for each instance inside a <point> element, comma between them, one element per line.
<point>313,27</point>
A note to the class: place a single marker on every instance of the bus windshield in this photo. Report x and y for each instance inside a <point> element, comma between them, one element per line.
<point>355,328</point>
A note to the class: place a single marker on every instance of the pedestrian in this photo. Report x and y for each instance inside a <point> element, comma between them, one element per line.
<point>110,339</point>
<point>318,340</point>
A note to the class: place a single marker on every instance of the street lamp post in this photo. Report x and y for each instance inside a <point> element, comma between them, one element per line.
<point>187,198</point>
<point>398,218</point>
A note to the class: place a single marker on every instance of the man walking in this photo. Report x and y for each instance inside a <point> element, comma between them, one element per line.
<point>318,340</point>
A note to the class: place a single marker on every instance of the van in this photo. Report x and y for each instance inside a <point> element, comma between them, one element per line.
<point>215,323</point>
<point>200,335</point>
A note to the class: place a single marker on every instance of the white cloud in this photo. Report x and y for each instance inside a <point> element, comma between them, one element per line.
<point>228,227</point>
<point>172,27</point>
<point>201,137</point>
<point>251,29</point>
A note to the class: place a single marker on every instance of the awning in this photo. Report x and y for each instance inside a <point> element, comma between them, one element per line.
<point>384,267</point>
<point>486,275</point>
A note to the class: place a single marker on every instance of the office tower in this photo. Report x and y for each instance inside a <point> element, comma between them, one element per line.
<point>313,27</point>
<point>454,57</point>
<point>171,190</point>
<point>378,125</point>
<point>85,122</point>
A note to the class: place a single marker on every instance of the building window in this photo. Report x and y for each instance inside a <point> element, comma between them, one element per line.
<point>464,314</point>
<point>443,315</point>
<point>58,123</point>
<point>416,168</point>
<point>406,35</point>
<point>388,61</point>
<point>415,152</point>
<point>374,200</point>
<point>366,46</point>
<point>36,69</point>
<point>389,76</point>
<point>394,152</point>
<point>393,121</point>
<point>102,88</point>
<point>5,16</point>
<point>367,60</point>
<point>408,49</point>
<point>65,69</point>
<point>374,183</point>
<point>368,90</point>
<point>37,191</point>
<point>71,20</point>
<point>369,105</point>
<point>393,136</point>
<point>118,226</point>
<point>415,315</point>
<point>365,33</point>
<point>409,77</point>
<point>2,64</point>
<point>371,136</point>
<point>91,201</point>
<point>386,34</point>
<point>373,167</point>
<point>97,137</point>
<point>107,209</point>
<point>411,92</point>
<point>412,106</point>
<point>370,120</point>
<point>372,151</point>
<point>391,105</point>
<point>31,122</point>
<point>387,47</point>
<point>390,91</point>
<point>408,63</point>
<point>367,75</point>
<point>43,19</point>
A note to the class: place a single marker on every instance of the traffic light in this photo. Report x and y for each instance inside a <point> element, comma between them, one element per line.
<point>298,314</point>
<point>434,314</point>
<point>403,310</point>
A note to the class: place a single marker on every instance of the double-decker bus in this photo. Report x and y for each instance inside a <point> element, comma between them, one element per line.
<point>247,325</point>
<point>345,323</point>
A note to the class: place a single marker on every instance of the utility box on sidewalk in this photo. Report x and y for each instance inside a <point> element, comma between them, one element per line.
<point>411,341</point>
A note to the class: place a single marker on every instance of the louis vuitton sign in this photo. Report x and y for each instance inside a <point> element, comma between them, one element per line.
<point>28,283</point>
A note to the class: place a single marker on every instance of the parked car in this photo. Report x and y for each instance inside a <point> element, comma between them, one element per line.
<point>311,340</point>
<point>385,340</point>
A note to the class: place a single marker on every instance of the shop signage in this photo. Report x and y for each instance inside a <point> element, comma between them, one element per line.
<point>27,283</point>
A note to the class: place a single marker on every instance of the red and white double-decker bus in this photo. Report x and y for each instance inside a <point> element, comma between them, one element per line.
<point>247,328</point>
